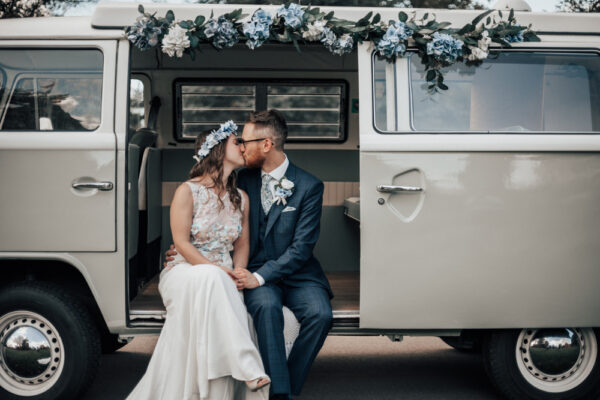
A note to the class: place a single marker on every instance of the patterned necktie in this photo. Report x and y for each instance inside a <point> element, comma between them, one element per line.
<point>266,196</point>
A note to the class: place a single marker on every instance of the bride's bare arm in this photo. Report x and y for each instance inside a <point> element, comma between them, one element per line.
<point>241,247</point>
<point>182,210</point>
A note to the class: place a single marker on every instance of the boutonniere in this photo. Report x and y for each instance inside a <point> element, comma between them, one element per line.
<point>283,189</point>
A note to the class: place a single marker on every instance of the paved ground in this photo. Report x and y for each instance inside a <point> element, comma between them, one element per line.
<point>347,368</point>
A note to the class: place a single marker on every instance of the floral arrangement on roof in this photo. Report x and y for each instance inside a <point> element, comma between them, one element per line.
<point>436,44</point>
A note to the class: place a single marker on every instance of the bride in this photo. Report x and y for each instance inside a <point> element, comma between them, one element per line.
<point>205,348</point>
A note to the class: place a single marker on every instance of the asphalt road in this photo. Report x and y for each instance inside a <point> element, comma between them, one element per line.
<point>346,368</point>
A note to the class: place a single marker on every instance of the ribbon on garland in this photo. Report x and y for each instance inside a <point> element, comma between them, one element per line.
<point>437,44</point>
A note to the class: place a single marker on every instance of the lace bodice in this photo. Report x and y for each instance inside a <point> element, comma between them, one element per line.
<point>214,228</point>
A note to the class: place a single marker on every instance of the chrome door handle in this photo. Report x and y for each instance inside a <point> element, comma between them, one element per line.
<point>104,186</point>
<point>398,189</point>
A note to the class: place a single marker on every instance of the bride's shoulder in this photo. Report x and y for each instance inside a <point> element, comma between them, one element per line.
<point>193,188</point>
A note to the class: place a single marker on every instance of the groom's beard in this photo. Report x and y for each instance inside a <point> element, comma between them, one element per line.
<point>254,162</point>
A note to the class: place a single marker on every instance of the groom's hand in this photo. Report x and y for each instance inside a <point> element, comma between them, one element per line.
<point>245,278</point>
<point>170,255</point>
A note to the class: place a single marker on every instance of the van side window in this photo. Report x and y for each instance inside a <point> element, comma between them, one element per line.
<point>137,106</point>
<point>51,90</point>
<point>315,110</point>
<point>513,92</point>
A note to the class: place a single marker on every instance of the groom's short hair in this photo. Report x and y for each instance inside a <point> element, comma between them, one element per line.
<point>273,122</point>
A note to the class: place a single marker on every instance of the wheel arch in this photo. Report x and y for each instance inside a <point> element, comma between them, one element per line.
<point>61,269</point>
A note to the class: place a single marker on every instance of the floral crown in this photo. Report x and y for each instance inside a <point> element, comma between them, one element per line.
<point>214,138</point>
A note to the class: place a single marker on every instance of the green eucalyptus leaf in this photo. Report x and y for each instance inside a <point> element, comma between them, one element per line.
<point>426,16</point>
<point>194,41</point>
<point>199,20</point>
<point>170,16</point>
<point>500,13</point>
<point>442,86</point>
<point>184,25</point>
<point>443,25</point>
<point>531,37</point>
<point>488,20</point>
<point>466,29</point>
<point>141,9</point>
<point>511,15</point>
<point>481,16</point>
<point>328,16</point>
<point>402,16</point>
<point>192,54</point>
<point>412,26</point>
<point>376,19</point>
<point>430,75</point>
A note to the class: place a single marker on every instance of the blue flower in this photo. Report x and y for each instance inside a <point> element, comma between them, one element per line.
<point>515,38</point>
<point>257,29</point>
<point>337,45</point>
<point>444,47</point>
<point>393,43</point>
<point>144,33</point>
<point>292,15</point>
<point>222,32</point>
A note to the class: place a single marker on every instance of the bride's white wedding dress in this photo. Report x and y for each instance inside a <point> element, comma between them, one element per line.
<point>205,349</point>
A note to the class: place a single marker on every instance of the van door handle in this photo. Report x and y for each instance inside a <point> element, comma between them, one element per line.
<point>398,189</point>
<point>104,186</point>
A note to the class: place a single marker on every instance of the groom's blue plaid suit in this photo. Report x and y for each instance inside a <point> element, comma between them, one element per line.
<point>281,245</point>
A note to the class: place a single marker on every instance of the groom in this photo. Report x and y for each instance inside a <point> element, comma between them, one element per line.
<point>285,215</point>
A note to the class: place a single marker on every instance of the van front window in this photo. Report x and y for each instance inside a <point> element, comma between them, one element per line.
<point>51,90</point>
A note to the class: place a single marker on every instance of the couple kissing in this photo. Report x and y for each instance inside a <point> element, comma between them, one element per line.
<point>242,246</point>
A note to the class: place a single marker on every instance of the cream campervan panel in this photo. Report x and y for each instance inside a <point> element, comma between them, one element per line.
<point>488,212</point>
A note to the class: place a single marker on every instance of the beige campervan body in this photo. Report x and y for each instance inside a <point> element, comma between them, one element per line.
<point>472,215</point>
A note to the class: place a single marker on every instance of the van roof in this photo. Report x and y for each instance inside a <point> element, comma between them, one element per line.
<point>109,19</point>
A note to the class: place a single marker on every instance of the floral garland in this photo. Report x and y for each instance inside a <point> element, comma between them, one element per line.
<point>437,45</point>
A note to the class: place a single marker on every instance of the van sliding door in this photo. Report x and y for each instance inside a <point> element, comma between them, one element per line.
<point>479,205</point>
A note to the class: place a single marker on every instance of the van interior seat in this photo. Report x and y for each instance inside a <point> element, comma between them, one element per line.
<point>133,219</point>
<point>352,208</point>
<point>148,204</point>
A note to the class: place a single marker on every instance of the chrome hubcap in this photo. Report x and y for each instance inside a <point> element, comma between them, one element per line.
<point>556,360</point>
<point>31,353</point>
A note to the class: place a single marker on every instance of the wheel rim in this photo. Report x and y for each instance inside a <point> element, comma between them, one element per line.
<point>556,360</point>
<point>31,353</point>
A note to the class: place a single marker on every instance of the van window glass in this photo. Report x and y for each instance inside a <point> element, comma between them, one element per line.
<point>513,92</point>
<point>310,111</point>
<point>137,110</point>
<point>51,90</point>
<point>313,110</point>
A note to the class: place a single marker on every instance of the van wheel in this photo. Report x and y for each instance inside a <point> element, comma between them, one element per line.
<point>49,344</point>
<point>543,364</point>
<point>110,343</point>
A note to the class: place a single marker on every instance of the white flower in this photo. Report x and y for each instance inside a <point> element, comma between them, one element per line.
<point>484,42</point>
<point>314,32</point>
<point>287,184</point>
<point>476,54</point>
<point>176,41</point>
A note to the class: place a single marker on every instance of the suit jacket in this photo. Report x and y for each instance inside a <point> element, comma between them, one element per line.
<point>290,236</point>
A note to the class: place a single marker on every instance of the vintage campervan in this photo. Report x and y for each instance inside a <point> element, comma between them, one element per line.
<point>472,214</point>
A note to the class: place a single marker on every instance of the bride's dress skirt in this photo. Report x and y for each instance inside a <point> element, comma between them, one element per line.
<point>205,349</point>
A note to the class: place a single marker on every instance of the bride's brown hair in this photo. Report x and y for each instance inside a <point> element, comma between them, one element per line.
<point>212,165</point>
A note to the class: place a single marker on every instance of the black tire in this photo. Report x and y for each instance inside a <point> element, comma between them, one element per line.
<point>501,365</point>
<point>71,323</point>
<point>110,343</point>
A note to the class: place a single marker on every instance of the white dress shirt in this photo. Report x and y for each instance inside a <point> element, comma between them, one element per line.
<point>277,174</point>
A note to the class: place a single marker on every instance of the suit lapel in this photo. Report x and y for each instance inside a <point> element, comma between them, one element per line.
<point>254,195</point>
<point>276,209</point>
